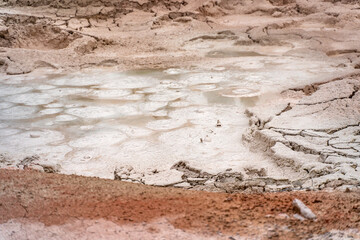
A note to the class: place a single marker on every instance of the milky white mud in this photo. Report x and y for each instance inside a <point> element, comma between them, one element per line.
<point>179,127</point>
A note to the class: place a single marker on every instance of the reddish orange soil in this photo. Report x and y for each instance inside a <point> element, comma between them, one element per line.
<point>54,199</point>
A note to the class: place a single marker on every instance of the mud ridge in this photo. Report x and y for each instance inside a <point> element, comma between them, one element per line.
<point>332,149</point>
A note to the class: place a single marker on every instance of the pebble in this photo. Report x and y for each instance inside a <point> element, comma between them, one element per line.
<point>218,123</point>
<point>299,217</point>
<point>303,209</point>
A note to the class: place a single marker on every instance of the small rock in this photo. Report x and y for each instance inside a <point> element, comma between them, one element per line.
<point>297,183</point>
<point>310,89</point>
<point>34,136</point>
<point>209,182</point>
<point>282,216</point>
<point>182,185</point>
<point>50,168</point>
<point>298,217</point>
<point>303,209</point>
<point>196,180</point>
<point>37,168</point>
<point>27,161</point>
<point>218,123</point>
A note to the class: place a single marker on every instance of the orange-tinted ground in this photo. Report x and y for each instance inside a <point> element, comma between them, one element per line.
<point>56,199</point>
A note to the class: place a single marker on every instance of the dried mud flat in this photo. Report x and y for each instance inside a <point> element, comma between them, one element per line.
<point>228,96</point>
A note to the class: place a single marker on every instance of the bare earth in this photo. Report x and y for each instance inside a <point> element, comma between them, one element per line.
<point>297,123</point>
<point>66,207</point>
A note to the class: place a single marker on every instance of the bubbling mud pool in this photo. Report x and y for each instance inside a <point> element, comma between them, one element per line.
<point>93,122</point>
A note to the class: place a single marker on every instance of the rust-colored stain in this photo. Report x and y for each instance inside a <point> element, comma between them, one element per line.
<point>55,199</point>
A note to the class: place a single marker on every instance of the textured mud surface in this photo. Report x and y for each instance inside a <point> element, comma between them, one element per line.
<point>231,96</point>
<point>327,151</point>
<point>173,127</point>
<point>41,206</point>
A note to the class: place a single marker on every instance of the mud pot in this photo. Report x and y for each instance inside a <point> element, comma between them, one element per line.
<point>172,127</point>
<point>238,97</point>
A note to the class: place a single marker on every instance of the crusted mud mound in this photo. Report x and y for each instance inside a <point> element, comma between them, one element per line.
<point>117,6</point>
<point>107,29</point>
<point>32,33</point>
<point>62,207</point>
<point>328,152</point>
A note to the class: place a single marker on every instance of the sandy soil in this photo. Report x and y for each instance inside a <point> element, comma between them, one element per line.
<point>44,205</point>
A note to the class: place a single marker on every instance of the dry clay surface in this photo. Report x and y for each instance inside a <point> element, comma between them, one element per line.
<point>305,138</point>
<point>75,35</point>
<point>317,134</point>
<point>38,205</point>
